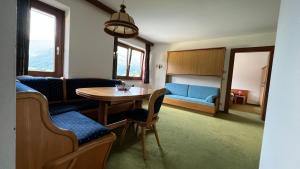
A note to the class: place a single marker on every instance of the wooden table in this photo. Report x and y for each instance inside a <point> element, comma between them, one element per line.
<point>109,97</point>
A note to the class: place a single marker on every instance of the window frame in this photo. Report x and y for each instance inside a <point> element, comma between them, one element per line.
<point>129,56</point>
<point>59,39</point>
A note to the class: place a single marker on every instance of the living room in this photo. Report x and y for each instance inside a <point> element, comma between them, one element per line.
<point>184,136</point>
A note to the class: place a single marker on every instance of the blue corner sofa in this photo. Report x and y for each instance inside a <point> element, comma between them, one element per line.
<point>51,128</point>
<point>201,98</point>
<point>61,93</point>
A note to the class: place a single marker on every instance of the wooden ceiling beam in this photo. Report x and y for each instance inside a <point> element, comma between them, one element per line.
<point>110,11</point>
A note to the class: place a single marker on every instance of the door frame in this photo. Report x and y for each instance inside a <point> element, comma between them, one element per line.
<point>230,73</point>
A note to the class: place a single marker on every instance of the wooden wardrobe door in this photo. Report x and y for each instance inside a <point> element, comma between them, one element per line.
<point>205,62</point>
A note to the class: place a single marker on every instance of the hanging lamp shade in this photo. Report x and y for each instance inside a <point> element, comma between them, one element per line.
<point>121,25</point>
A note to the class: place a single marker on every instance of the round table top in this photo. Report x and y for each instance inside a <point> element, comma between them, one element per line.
<point>113,94</point>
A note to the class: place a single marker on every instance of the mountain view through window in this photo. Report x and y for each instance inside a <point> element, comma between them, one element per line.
<point>42,41</point>
<point>129,62</point>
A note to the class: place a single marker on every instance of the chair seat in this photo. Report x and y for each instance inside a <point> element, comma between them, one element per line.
<point>59,108</point>
<point>83,127</point>
<point>137,114</point>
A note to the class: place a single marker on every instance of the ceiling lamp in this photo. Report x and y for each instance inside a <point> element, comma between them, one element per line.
<point>121,25</point>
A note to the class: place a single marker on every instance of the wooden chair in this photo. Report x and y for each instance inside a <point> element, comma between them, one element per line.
<point>146,119</point>
<point>42,145</point>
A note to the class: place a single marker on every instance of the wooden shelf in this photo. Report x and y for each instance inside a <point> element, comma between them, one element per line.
<point>204,62</point>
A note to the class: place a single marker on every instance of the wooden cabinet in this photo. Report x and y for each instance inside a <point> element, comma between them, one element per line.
<point>205,62</point>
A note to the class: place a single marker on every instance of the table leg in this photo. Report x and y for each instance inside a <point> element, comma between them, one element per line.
<point>102,112</point>
<point>244,100</point>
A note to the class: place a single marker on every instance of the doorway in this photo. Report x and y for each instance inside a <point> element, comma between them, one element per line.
<point>245,92</point>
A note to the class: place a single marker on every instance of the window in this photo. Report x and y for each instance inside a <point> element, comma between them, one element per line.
<point>129,62</point>
<point>46,40</point>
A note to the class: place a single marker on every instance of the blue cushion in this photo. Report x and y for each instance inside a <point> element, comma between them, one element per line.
<point>113,118</point>
<point>87,104</point>
<point>190,99</point>
<point>55,89</point>
<point>55,109</point>
<point>83,127</point>
<point>52,88</point>
<point>158,103</point>
<point>59,108</point>
<point>38,83</point>
<point>202,92</point>
<point>137,114</point>
<point>20,87</point>
<point>142,114</point>
<point>211,98</point>
<point>73,84</point>
<point>177,89</point>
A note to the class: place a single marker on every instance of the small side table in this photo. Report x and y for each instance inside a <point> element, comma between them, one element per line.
<point>239,99</point>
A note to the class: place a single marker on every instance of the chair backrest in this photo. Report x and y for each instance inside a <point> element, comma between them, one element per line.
<point>155,103</point>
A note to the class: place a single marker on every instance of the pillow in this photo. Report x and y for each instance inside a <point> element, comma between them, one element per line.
<point>210,99</point>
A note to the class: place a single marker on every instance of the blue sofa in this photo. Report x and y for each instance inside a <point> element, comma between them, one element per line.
<point>61,93</point>
<point>202,98</point>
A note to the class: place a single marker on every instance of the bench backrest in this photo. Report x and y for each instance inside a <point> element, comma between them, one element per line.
<point>58,89</point>
<point>199,92</point>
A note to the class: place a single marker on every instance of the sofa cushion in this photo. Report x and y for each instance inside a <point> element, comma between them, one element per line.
<point>116,117</point>
<point>202,92</point>
<point>190,99</point>
<point>177,89</point>
<point>55,109</point>
<point>38,83</point>
<point>211,98</point>
<point>55,89</point>
<point>87,104</point>
<point>83,127</point>
<point>73,84</point>
<point>20,87</point>
<point>51,87</point>
<point>59,108</point>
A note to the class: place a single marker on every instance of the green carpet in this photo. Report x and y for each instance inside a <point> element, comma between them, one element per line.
<point>245,108</point>
<point>194,141</point>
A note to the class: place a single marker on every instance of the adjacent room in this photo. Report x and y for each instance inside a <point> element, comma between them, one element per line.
<point>137,84</point>
<point>250,81</point>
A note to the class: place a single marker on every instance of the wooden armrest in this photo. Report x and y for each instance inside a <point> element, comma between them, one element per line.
<point>81,150</point>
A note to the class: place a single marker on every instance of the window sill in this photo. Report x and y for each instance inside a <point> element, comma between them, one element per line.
<point>129,78</point>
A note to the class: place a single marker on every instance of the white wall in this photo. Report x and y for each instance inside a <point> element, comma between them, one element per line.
<point>160,55</point>
<point>247,73</point>
<point>281,138</point>
<point>7,84</point>
<point>90,51</point>
<point>134,43</point>
<point>195,80</point>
